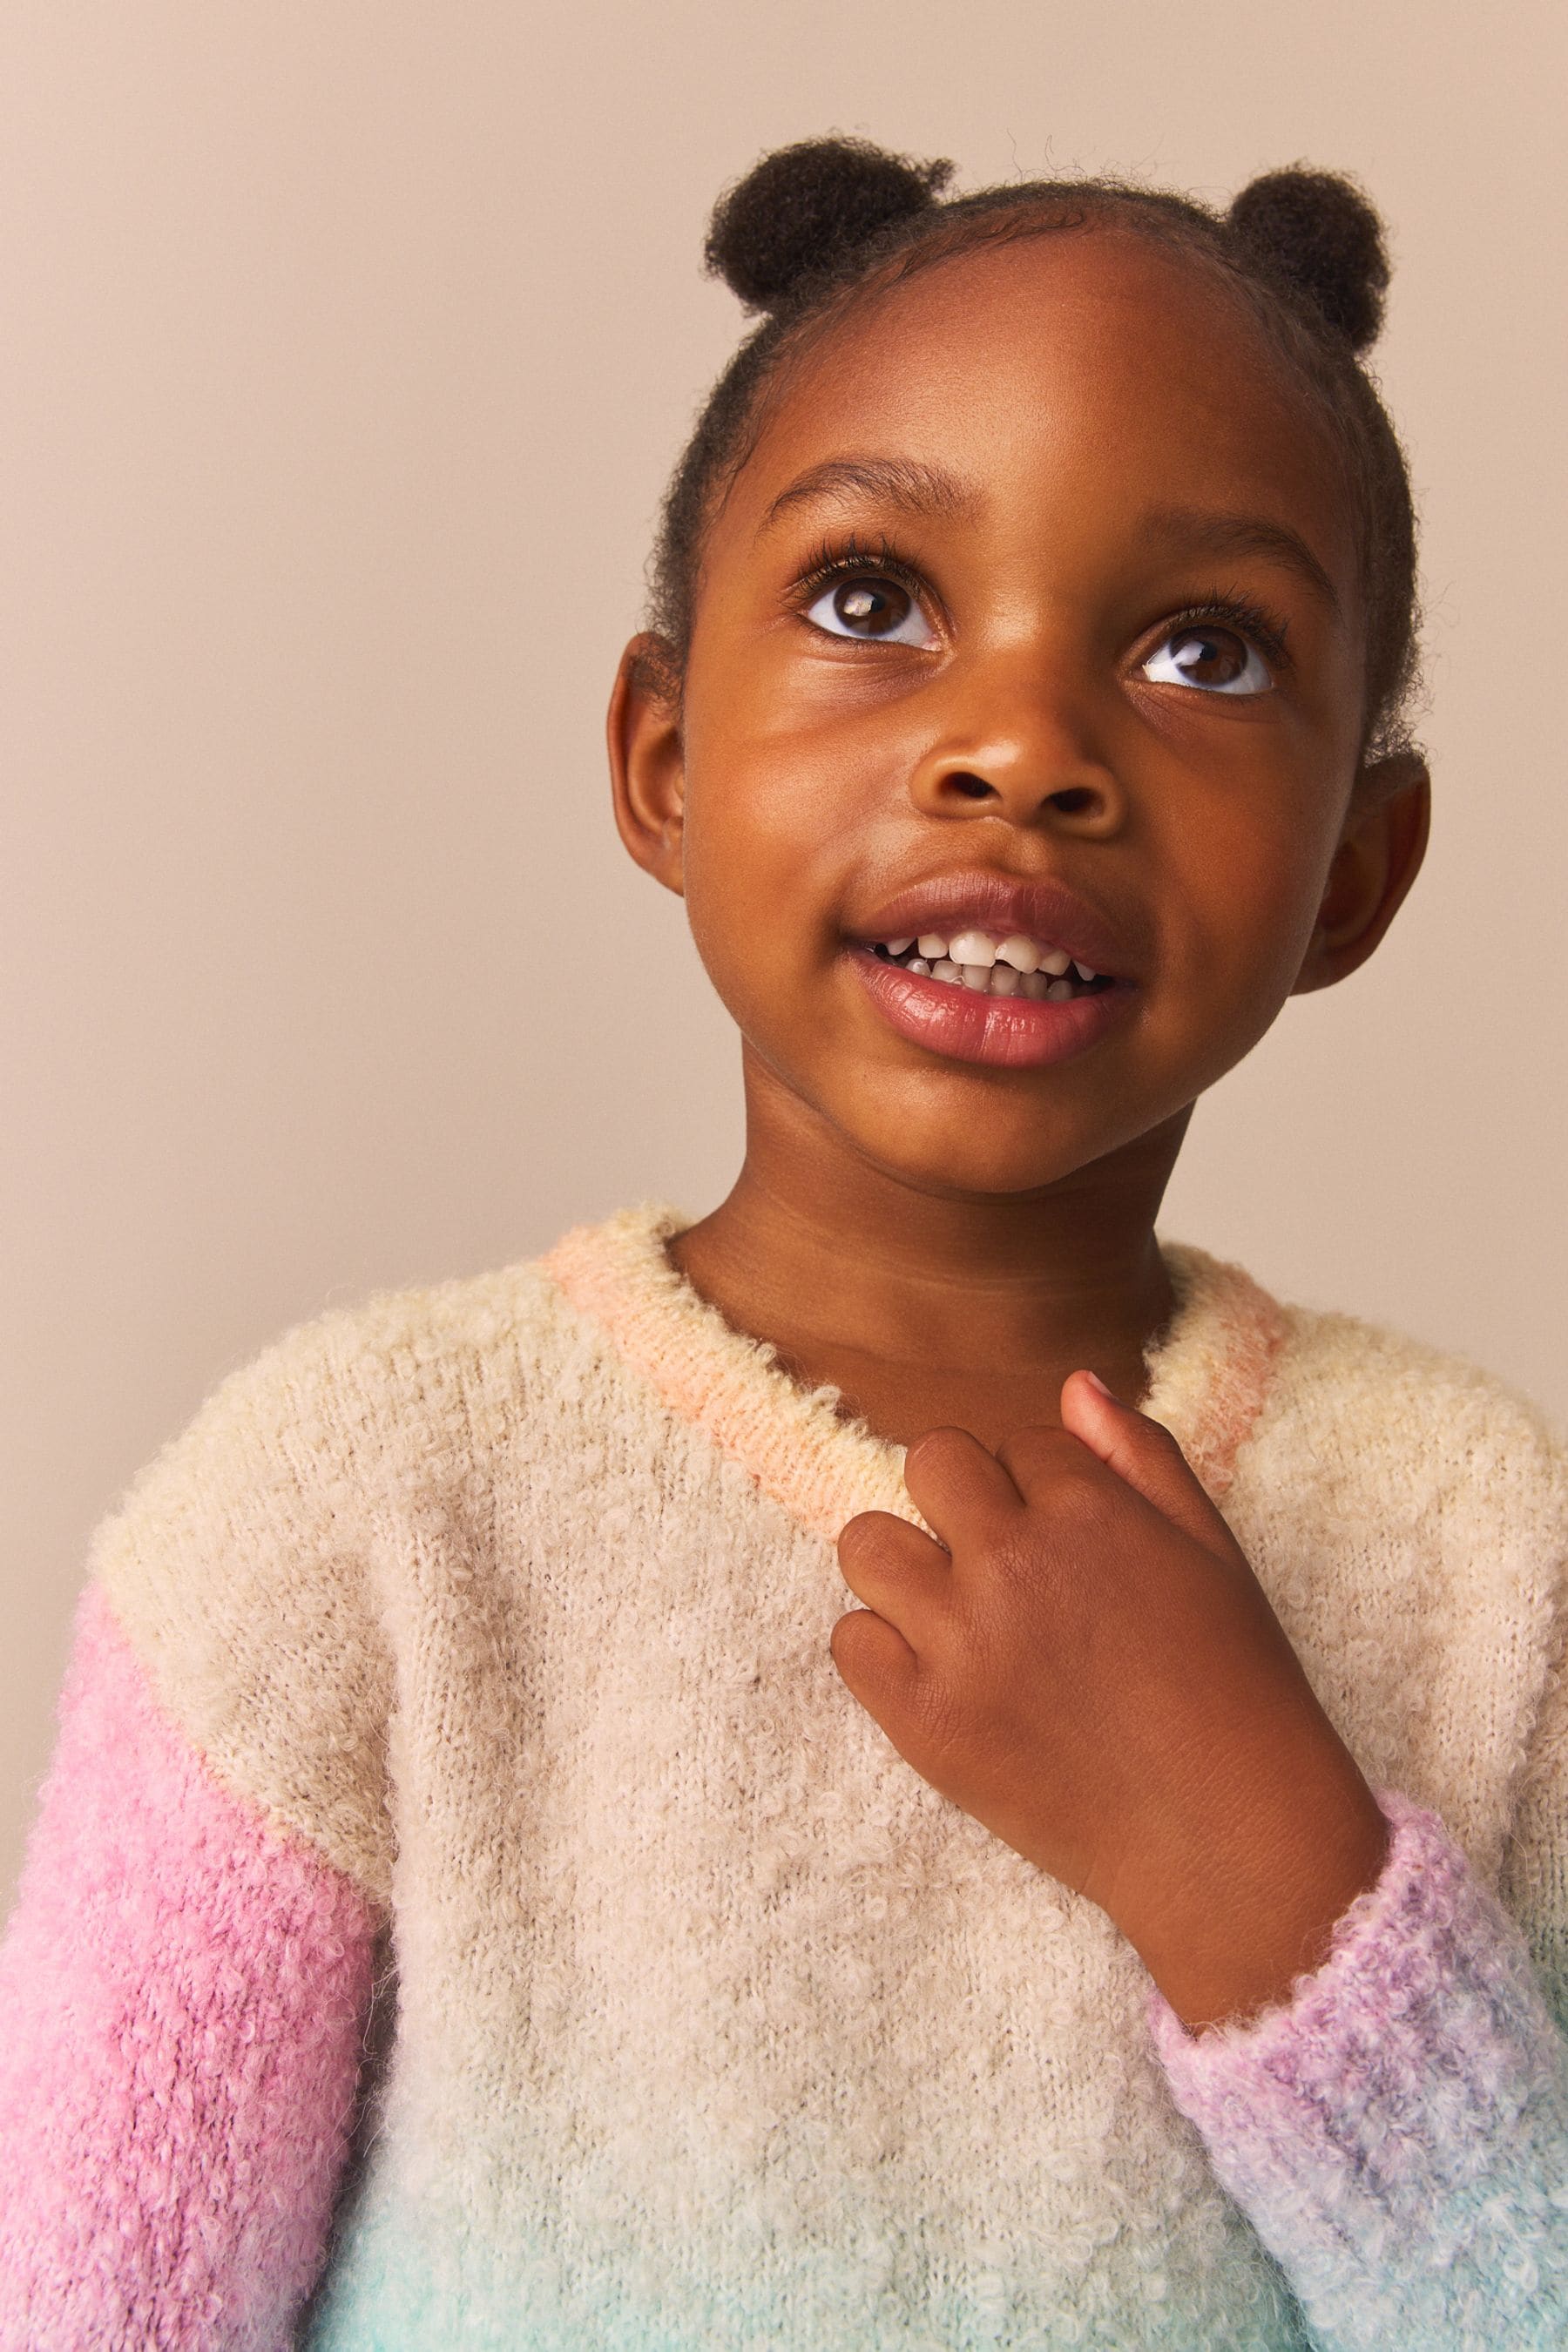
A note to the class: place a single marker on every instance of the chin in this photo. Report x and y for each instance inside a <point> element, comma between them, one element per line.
<point>952,1162</point>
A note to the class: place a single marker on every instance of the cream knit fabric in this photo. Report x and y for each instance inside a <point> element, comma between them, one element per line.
<point>508,1600</point>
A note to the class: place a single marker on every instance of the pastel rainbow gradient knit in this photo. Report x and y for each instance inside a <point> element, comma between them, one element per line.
<point>467,1909</point>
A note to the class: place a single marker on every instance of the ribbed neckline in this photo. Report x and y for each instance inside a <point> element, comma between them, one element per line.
<point>1208,1379</point>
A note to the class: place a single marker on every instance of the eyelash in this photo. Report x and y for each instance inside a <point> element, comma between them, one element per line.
<point>1267,630</point>
<point>847,558</point>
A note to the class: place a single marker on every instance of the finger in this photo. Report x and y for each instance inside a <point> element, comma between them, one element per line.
<point>893,1567</point>
<point>1037,1456</point>
<point>953,1481</point>
<point>876,1662</point>
<point>1143,1454</point>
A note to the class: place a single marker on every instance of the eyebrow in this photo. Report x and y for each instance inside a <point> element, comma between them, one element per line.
<point>901,482</point>
<point>919,489</point>
<point>1197,529</point>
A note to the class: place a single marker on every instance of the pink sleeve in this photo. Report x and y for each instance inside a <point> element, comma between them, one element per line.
<point>1397,2132</point>
<point>182,1993</point>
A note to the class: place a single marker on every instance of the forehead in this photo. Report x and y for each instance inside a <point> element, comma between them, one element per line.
<point>1085,374</point>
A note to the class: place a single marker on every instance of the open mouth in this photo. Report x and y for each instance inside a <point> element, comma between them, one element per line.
<point>973,991</point>
<point>1036,970</point>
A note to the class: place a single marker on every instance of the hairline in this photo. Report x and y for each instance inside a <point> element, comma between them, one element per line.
<point>798,343</point>
<point>933,239</point>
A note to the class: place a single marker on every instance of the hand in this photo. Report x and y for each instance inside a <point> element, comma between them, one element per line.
<point>1085,1664</point>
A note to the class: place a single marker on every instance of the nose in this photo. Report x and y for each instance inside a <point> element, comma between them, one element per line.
<point>1017,742</point>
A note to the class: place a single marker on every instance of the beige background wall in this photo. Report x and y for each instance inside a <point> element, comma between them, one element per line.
<point>346,347</point>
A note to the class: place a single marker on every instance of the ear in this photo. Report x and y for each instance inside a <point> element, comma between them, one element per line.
<point>647,769</point>
<point>1379,855</point>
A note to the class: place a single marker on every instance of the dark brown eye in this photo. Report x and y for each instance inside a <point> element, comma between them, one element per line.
<point>870,605</point>
<point>1201,654</point>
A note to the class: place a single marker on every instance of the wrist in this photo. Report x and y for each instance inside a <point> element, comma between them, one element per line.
<point>1230,1935</point>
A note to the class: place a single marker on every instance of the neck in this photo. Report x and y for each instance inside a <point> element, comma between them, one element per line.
<point>913,1299</point>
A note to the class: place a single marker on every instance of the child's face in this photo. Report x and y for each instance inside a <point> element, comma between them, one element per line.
<point>1069,443</point>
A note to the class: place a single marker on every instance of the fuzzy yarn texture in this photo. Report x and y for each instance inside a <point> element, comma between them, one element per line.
<point>182,1992</point>
<point>470,1646</point>
<point>1398,2133</point>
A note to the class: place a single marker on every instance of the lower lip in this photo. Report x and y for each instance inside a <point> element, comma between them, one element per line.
<point>1010,1033</point>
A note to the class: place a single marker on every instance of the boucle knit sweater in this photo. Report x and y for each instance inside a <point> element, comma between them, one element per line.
<point>468,1908</point>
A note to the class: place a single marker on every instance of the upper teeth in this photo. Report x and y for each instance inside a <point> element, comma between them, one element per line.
<point>976,951</point>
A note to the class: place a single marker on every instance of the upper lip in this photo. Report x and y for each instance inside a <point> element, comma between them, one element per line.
<point>1003,904</point>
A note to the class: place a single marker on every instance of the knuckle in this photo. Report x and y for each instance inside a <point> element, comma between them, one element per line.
<point>1080,1500</point>
<point>845,1646</point>
<point>942,1724</point>
<point>855,1646</point>
<point>1029,1579</point>
<point>935,1705</point>
<point>1019,1557</point>
<point>857,1538</point>
<point>938,1448</point>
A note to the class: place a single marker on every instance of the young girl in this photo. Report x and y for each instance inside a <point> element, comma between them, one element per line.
<point>496,1886</point>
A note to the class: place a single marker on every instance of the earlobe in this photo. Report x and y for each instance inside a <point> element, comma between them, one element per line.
<point>1379,855</point>
<point>648,771</point>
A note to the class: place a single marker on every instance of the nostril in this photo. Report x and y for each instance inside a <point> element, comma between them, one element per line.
<point>974,788</point>
<point>1073,800</point>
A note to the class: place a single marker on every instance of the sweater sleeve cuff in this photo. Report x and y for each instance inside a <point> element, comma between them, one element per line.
<point>1408,2105</point>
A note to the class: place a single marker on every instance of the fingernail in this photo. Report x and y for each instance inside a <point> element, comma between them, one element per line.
<point>1095,1380</point>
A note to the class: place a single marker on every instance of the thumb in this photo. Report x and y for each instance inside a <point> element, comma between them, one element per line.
<point>1143,1455</point>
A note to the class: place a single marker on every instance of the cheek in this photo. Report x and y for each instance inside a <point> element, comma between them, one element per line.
<point>1241,909</point>
<point>758,882</point>
<point>780,819</point>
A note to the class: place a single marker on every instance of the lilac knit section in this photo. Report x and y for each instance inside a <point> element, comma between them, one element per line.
<point>1398,2133</point>
<point>182,1991</point>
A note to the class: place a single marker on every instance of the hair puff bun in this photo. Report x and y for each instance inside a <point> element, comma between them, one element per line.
<point>803,209</point>
<point>1316,232</point>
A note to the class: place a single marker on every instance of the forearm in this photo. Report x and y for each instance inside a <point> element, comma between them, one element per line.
<point>1398,2132</point>
<point>181,1996</point>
